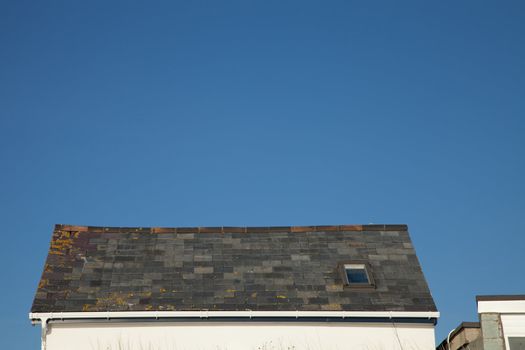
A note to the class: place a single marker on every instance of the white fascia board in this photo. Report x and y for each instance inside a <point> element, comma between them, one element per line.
<point>501,306</point>
<point>233,314</point>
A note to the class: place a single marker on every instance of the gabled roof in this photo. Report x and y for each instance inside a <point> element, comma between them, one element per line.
<point>229,268</point>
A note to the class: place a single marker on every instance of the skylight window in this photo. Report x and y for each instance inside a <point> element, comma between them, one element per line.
<point>356,274</point>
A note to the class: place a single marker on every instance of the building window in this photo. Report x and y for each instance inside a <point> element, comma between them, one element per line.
<point>356,274</point>
<point>516,343</point>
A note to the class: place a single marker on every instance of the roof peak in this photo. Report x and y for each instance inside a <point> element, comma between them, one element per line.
<point>236,229</point>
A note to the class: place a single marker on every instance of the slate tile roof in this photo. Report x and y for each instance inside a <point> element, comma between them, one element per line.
<point>229,268</point>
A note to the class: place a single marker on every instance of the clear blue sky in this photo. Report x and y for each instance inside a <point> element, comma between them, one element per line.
<point>267,113</point>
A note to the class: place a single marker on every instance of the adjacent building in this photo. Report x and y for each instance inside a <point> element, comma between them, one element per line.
<point>501,326</point>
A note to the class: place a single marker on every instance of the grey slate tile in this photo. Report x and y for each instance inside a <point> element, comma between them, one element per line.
<point>285,268</point>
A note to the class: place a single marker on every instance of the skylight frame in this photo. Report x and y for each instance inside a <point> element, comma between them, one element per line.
<point>343,266</point>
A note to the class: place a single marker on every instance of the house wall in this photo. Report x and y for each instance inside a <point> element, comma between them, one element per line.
<point>492,331</point>
<point>502,322</point>
<point>238,336</point>
<point>466,338</point>
<point>513,327</point>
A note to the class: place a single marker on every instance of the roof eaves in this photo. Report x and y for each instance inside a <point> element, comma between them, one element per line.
<point>499,297</point>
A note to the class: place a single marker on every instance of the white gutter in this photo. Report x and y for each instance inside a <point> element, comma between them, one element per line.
<point>44,318</point>
<point>239,314</point>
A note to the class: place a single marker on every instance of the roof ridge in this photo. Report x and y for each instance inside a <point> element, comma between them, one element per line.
<point>234,229</point>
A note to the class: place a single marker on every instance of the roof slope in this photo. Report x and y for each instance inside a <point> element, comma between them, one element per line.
<point>229,268</point>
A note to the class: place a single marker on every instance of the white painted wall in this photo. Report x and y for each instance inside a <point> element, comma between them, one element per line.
<point>239,336</point>
<point>512,315</point>
<point>513,326</point>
